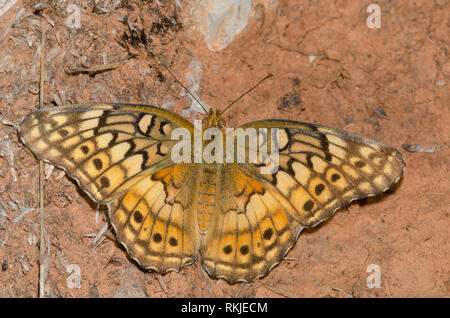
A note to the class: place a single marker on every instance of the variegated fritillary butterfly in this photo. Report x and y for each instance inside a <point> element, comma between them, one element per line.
<point>241,222</point>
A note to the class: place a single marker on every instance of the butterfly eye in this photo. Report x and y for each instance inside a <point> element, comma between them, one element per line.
<point>221,123</point>
<point>205,121</point>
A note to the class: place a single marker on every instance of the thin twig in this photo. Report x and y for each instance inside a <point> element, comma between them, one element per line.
<point>13,23</point>
<point>22,213</point>
<point>96,68</point>
<point>242,290</point>
<point>342,292</point>
<point>6,6</point>
<point>419,148</point>
<point>278,291</point>
<point>99,234</point>
<point>41,178</point>
<point>161,283</point>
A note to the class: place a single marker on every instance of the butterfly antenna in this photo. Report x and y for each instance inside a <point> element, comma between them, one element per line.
<point>267,76</point>
<point>176,79</point>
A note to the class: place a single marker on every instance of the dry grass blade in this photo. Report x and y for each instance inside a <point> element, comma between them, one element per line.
<point>419,148</point>
<point>96,68</point>
<point>278,291</point>
<point>159,278</point>
<point>242,290</point>
<point>338,290</point>
<point>42,262</point>
<point>5,6</point>
<point>14,22</point>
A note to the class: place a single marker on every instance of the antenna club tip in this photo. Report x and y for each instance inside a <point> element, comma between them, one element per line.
<point>271,74</point>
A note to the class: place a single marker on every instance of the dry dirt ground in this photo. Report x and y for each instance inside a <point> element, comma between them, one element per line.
<point>389,83</point>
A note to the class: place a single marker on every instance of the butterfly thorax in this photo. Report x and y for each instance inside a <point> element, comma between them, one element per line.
<point>213,119</point>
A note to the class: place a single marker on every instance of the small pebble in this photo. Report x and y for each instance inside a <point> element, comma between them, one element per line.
<point>440,83</point>
<point>380,112</point>
<point>5,264</point>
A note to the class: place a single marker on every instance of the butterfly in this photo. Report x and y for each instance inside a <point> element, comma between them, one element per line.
<point>242,222</point>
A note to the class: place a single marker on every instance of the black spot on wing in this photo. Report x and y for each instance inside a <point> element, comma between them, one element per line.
<point>244,249</point>
<point>173,241</point>
<point>308,205</point>
<point>85,149</point>
<point>138,216</point>
<point>360,164</point>
<point>267,235</point>
<point>157,238</point>
<point>335,177</point>
<point>227,249</point>
<point>63,132</point>
<point>319,189</point>
<point>98,164</point>
<point>104,182</point>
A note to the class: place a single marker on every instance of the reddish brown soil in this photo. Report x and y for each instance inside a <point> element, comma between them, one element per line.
<point>391,84</point>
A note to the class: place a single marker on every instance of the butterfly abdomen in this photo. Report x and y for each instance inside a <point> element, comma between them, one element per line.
<point>207,196</point>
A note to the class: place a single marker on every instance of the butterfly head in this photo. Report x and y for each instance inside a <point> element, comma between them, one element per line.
<point>213,119</point>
